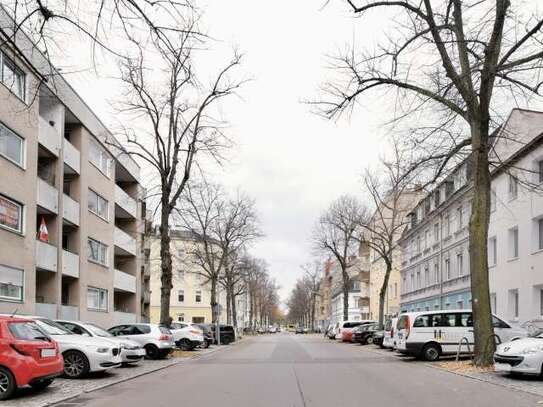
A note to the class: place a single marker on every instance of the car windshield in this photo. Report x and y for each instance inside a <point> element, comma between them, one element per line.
<point>96,330</point>
<point>52,328</point>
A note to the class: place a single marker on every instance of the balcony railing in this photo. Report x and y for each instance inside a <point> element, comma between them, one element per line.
<point>47,196</point>
<point>46,256</point>
<point>72,156</point>
<point>49,137</point>
<point>125,202</point>
<point>70,210</point>
<point>69,313</point>
<point>46,310</point>
<point>123,318</point>
<point>124,281</point>
<point>125,242</point>
<point>70,264</point>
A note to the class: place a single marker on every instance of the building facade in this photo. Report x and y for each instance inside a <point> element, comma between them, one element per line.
<point>71,209</point>
<point>323,305</point>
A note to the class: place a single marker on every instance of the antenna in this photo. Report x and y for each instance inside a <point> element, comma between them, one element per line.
<point>14,312</point>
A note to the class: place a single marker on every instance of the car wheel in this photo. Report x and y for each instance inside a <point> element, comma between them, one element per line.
<point>205,344</point>
<point>431,352</point>
<point>151,351</point>
<point>76,364</point>
<point>184,344</point>
<point>42,384</point>
<point>7,384</point>
<point>369,340</point>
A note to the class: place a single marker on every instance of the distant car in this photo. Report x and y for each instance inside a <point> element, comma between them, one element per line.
<point>131,352</point>
<point>81,354</point>
<point>156,340</point>
<point>186,335</point>
<point>261,330</point>
<point>300,330</point>
<point>273,330</point>
<point>345,329</point>
<point>524,355</point>
<point>389,338</point>
<point>208,335</point>
<point>363,334</point>
<point>28,356</point>
<point>306,330</point>
<point>227,333</point>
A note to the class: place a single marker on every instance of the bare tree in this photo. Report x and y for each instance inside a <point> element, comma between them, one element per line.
<point>255,274</point>
<point>336,234</point>
<point>459,60</point>
<point>173,125</point>
<point>311,281</point>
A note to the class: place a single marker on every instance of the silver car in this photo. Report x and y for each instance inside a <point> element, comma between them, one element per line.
<point>131,352</point>
<point>156,340</point>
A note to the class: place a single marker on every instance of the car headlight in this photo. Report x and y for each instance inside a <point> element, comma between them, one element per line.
<point>533,349</point>
<point>102,350</point>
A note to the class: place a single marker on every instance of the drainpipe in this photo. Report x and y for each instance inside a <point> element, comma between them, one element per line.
<point>441,265</point>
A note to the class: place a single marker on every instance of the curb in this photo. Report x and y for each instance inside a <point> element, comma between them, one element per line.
<point>135,376</point>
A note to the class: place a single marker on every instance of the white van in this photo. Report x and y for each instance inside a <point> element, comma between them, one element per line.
<point>430,334</point>
<point>390,335</point>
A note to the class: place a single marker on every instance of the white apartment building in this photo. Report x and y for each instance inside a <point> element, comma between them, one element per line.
<point>435,265</point>
<point>60,166</point>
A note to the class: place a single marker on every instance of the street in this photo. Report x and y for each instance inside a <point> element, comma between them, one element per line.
<point>302,371</point>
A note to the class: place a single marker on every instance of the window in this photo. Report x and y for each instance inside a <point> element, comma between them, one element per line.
<point>97,252</point>
<point>459,264</point>
<point>181,252</point>
<point>418,244</point>
<point>98,205</point>
<point>198,320</point>
<point>492,200</point>
<point>515,304</point>
<point>181,296</point>
<point>11,283</point>
<point>426,276</point>
<point>11,214</point>
<point>540,171</point>
<point>541,302</point>
<point>540,233</point>
<point>412,283</point>
<point>513,243</point>
<point>199,296</point>
<point>395,290</point>
<point>11,145</point>
<point>460,304</point>
<point>27,331</point>
<point>459,218</point>
<point>419,282</point>
<point>99,157</point>
<point>97,299</point>
<point>12,76</point>
<point>181,317</point>
<point>436,232</point>
<point>181,274</point>
<point>492,251</point>
<point>426,238</point>
<point>447,269</point>
<point>424,321</point>
<point>448,224</point>
<point>513,186</point>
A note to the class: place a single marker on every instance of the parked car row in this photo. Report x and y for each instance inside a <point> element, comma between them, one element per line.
<point>34,350</point>
<point>430,335</point>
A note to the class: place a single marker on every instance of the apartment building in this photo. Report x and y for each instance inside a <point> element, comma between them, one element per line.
<point>191,293</point>
<point>435,264</point>
<point>61,172</point>
<point>323,301</point>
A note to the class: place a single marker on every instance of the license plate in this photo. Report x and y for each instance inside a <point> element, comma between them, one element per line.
<point>502,367</point>
<point>48,353</point>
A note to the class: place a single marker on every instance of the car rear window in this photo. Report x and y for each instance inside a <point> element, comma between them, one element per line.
<point>164,330</point>
<point>27,331</point>
<point>388,325</point>
<point>403,322</point>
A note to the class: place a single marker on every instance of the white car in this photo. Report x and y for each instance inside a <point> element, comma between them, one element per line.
<point>81,354</point>
<point>430,334</point>
<point>156,340</point>
<point>186,335</point>
<point>131,352</point>
<point>524,355</point>
<point>389,338</point>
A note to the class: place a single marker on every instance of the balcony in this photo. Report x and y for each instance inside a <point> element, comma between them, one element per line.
<point>125,245</point>
<point>69,313</point>
<point>72,158</point>
<point>70,264</point>
<point>123,318</point>
<point>46,256</point>
<point>47,196</point>
<point>49,137</point>
<point>70,210</point>
<point>125,205</point>
<point>46,310</point>
<point>124,282</point>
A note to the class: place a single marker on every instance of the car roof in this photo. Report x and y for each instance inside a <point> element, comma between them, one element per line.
<point>433,312</point>
<point>15,318</point>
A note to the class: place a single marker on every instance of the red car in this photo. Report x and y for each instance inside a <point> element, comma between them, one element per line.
<point>28,356</point>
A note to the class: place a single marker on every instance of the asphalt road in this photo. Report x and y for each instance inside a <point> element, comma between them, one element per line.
<point>285,370</point>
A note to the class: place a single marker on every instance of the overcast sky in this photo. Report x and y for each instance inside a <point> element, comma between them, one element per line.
<point>291,161</point>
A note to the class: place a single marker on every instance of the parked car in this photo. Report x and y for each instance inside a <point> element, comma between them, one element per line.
<point>259,330</point>
<point>186,335</point>
<point>430,334</point>
<point>523,355</point>
<point>156,340</point>
<point>208,335</point>
<point>332,331</point>
<point>389,338</point>
<point>228,334</point>
<point>363,334</point>
<point>378,337</point>
<point>131,352</point>
<point>28,356</point>
<point>273,330</point>
<point>81,354</point>
<point>344,330</point>
<point>300,330</point>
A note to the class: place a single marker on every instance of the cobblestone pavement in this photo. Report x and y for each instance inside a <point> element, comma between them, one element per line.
<point>62,389</point>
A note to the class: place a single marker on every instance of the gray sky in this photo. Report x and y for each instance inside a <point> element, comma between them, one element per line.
<point>291,161</point>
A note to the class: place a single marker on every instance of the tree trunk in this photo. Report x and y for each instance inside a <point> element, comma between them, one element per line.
<point>165,265</point>
<point>228,306</point>
<point>213,301</point>
<point>251,312</point>
<point>383,293</point>
<point>346,282</point>
<point>313,300</point>
<point>234,310</point>
<point>478,238</point>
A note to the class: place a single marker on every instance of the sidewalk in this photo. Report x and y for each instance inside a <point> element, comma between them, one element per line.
<point>65,389</point>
